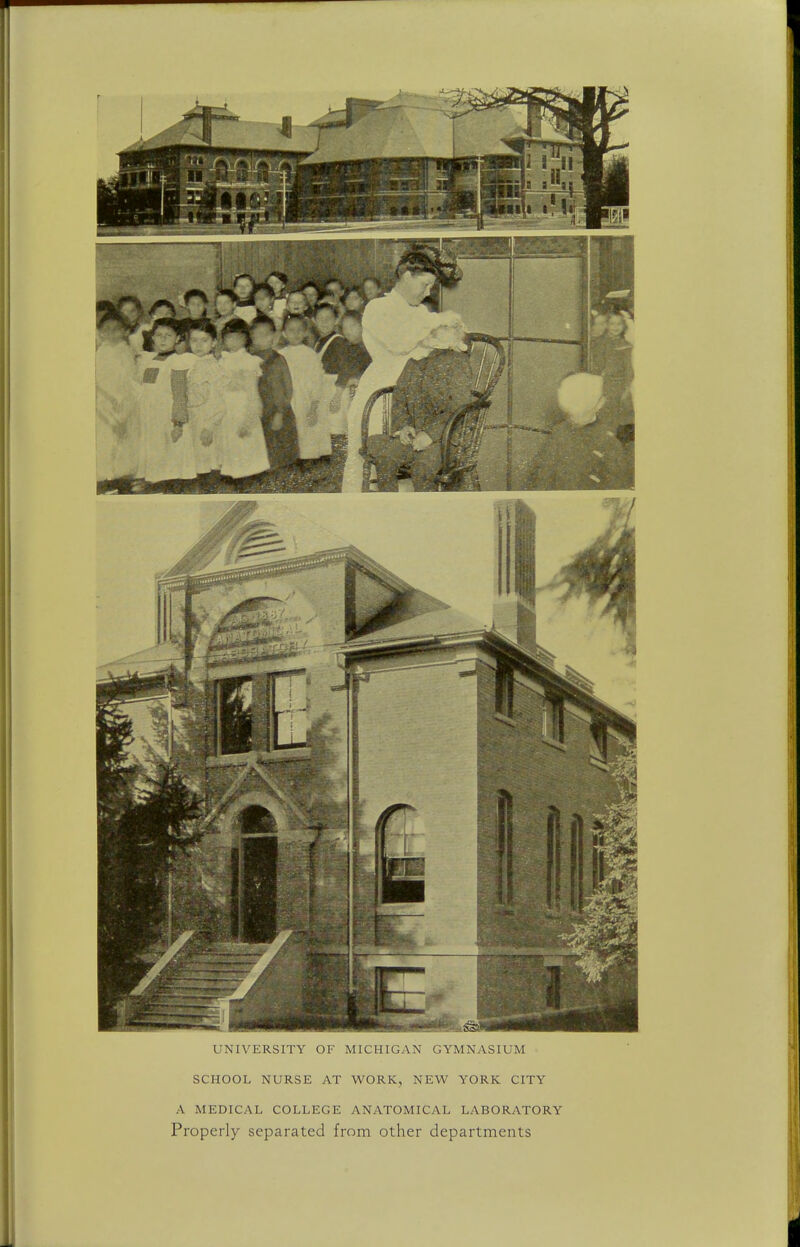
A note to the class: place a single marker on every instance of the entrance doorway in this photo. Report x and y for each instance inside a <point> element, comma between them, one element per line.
<point>255,878</point>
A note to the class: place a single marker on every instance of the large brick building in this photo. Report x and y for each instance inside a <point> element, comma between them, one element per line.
<point>372,160</point>
<point>402,807</point>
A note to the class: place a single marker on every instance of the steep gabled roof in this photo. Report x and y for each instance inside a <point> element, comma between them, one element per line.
<point>485,133</point>
<point>414,615</point>
<point>418,126</point>
<point>229,131</point>
<point>406,126</point>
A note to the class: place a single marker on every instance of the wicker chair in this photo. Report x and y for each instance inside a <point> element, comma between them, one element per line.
<point>461,440</point>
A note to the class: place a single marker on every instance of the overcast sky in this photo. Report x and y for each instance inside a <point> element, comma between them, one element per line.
<point>122,118</point>
<point>440,544</point>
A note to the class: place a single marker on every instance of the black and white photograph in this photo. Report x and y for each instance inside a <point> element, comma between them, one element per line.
<point>530,158</point>
<point>374,775</point>
<point>308,365</point>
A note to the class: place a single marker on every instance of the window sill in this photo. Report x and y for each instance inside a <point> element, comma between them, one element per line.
<point>302,753</point>
<point>601,766</point>
<point>400,909</point>
<point>504,718</point>
<point>554,744</point>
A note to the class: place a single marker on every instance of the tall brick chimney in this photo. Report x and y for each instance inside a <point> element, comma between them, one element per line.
<point>356,108</point>
<point>286,127</point>
<point>514,611</point>
<point>534,125</point>
<point>206,124</point>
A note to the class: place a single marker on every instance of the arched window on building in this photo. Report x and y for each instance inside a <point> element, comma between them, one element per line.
<point>285,167</point>
<point>505,858</point>
<point>262,170</point>
<point>598,855</point>
<point>259,541</point>
<point>576,864</point>
<point>553,858</point>
<point>242,171</point>
<point>401,834</point>
<point>221,170</point>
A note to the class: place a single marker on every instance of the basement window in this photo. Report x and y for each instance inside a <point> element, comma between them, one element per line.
<point>553,988</point>
<point>401,991</point>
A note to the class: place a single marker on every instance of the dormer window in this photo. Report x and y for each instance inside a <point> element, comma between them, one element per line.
<point>261,541</point>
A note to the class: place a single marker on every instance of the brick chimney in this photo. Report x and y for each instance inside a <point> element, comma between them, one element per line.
<point>286,127</point>
<point>514,611</point>
<point>355,109</point>
<point>534,125</point>
<point>206,124</point>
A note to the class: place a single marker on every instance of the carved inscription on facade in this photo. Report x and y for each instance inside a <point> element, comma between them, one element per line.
<point>260,628</point>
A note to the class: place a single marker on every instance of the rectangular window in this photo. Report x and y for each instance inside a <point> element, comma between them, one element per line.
<point>598,856</point>
<point>289,710</point>
<point>504,690</point>
<point>576,864</point>
<point>553,719</point>
<point>505,877</point>
<point>553,990</point>
<point>544,159</point>
<point>234,728</point>
<point>553,859</point>
<point>598,748</point>
<point>401,991</point>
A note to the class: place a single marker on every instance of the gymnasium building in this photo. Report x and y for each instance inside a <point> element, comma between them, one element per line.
<point>373,160</point>
<point>402,807</point>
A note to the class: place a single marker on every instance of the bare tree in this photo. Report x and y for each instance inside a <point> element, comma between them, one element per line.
<point>587,114</point>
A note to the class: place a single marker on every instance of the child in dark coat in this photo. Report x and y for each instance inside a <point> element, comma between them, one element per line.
<point>582,452</point>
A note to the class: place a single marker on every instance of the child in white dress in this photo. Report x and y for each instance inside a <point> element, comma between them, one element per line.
<point>166,448</point>
<point>243,451</point>
<point>116,403</point>
<point>313,425</point>
<point>207,382</point>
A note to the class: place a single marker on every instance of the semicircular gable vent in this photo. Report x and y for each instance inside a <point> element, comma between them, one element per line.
<point>262,541</point>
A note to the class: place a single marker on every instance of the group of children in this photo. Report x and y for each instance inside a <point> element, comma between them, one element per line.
<point>260,382</point>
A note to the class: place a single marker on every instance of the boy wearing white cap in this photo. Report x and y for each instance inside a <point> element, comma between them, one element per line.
<point>581,453</point>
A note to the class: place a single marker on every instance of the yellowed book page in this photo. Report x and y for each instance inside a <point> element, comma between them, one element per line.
<point>676,1132</point>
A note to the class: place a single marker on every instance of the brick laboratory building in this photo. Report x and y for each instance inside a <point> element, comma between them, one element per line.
<point>373,160</point>
<point>402,807</point>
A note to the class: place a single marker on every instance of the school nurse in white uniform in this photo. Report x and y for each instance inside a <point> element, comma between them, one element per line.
<point>393,327</point>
